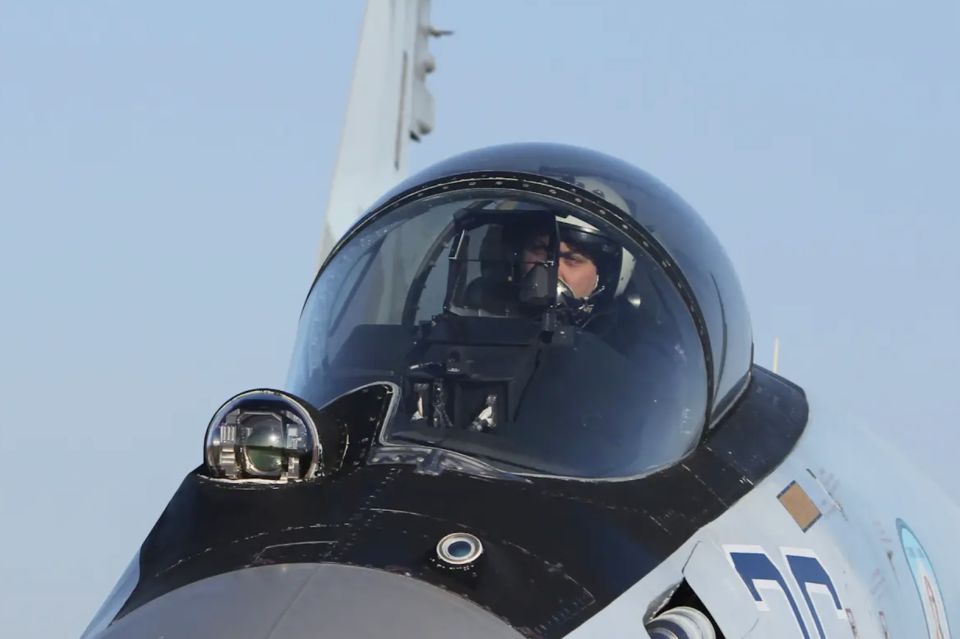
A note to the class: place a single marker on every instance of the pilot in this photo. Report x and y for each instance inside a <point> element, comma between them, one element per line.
<point>592,269</point>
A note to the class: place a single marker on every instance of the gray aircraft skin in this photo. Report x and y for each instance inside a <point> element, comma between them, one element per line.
<point>641,479</point>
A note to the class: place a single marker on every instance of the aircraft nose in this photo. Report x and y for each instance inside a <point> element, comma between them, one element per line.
<point>322,601</point>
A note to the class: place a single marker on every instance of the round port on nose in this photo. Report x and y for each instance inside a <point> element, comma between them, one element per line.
<point>458,549</point>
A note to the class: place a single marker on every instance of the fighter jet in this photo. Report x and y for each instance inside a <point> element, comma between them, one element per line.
<point>523,402</point>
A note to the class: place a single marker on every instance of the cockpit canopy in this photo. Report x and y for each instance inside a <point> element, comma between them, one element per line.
<point>525,318</point>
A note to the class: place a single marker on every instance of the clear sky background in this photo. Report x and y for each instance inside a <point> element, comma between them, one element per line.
<point>164,169</point>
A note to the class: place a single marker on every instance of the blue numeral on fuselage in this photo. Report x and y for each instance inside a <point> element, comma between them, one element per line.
<point>758,572</point>
<point>808,571</point>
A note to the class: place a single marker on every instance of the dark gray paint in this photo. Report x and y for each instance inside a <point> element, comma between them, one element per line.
<point>297,601</point>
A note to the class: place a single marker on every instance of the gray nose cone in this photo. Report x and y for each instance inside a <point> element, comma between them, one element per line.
<point>319,601</point>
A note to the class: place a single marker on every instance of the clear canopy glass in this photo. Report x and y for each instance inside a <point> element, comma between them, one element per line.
<point>524,332</point>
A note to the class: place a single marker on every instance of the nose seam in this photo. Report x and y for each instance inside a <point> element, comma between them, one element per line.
<point>293,601</point>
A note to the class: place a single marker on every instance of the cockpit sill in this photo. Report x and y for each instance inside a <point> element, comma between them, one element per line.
<point>434,461</point>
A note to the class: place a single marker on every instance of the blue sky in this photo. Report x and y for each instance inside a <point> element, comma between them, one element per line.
<point>164,170</point>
